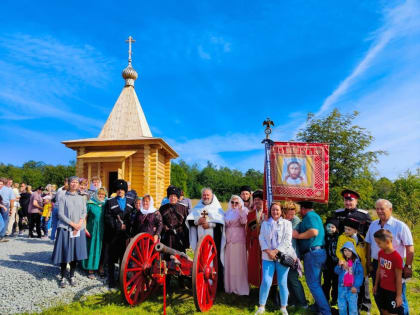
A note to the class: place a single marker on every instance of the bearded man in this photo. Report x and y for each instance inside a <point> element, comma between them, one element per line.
<point>246,196</point>
<point>208,218</point>
<point>256,216</point>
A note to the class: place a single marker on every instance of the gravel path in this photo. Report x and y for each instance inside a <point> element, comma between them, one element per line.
<point>29,281</point>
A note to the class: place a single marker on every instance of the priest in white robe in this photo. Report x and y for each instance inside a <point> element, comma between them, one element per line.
<point>207,218</point>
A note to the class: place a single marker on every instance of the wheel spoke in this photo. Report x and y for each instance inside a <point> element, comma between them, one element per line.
<point>210,260</point>
<point>146,249</point>
<point>138,263</point>
<point>134,278</point>
<point>207,286</point>
<point>134,286</point>
<point>139,289</point>
<point>134,269</point>
<point>140,256</point>
<point>152,258</point>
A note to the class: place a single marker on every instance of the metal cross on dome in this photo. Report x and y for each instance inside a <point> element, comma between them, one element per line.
<point>129,41</point>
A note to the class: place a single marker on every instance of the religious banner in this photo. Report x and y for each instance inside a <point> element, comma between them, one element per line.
<point>299,171</point>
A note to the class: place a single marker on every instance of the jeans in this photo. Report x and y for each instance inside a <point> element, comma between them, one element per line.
<point>296,292</point>
<point>5,217</point>
<point>313,262</point>
<point>347,301</point>
<point>404,289</point>
<point>45,222</point>
<point>54,223</point>
<point>268,268</point>
<point>1,221</point>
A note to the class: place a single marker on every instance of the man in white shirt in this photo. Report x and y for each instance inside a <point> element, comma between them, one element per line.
<point>402,243</point>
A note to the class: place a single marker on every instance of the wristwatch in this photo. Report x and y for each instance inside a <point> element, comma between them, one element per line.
<point>408,266</point>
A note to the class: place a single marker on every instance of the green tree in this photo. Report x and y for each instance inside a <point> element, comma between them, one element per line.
<point>350,157</point>
<point>382,188</point>
<point>405,197</point>
<point>179,177</point>
<point>38,173</point>
<point>223,180</point>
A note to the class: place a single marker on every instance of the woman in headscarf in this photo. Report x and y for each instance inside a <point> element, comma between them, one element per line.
<point>146,219</point>
<point>95,233</point>
<point>236,265</point>
<point>70,245</point>
<point>95,184</point>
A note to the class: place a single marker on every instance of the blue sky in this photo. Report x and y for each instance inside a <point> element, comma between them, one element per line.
<point>209,73</point>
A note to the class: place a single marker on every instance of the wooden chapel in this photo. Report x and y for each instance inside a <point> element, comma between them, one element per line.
<point>125,148</point>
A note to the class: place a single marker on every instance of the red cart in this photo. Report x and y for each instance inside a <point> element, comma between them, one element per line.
<point>146,264</point>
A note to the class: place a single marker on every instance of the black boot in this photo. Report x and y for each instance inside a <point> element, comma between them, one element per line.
<point>111,276</point>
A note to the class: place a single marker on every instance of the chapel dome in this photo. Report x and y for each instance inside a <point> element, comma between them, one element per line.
<point>129,75</point>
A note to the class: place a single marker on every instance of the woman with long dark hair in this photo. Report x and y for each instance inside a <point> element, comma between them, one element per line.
<point>275,239</point>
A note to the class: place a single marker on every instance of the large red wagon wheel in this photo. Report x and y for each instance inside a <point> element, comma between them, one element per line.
<point>136,278</point>
<point>204,277</point>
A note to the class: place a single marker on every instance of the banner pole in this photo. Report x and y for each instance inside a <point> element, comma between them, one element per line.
<point>267,168</point>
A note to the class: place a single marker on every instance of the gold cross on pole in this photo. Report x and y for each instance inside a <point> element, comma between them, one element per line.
<point>129,41</point>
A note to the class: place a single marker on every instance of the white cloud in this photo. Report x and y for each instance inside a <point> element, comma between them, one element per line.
<point>213,47</point>
<point>398,22</point>
<point>203,55</point>
<point>210,148</point>
<point>389,107</point>
<point>40,73</point>
<point>48,53</point>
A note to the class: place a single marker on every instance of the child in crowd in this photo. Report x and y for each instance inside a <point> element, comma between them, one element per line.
<point>46,214</point>
<point>350,234</point>
<point>350,279</point>
<point>330,284</point>
<point>388,283</point>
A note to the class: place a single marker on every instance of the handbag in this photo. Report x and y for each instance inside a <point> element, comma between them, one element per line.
<point>287,260</point>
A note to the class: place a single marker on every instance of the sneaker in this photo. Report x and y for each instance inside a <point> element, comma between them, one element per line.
<point>62,282</point>
<point>283,311</point>
<point>260,310</point>
<point>73,281</point>
<point>20,234</point>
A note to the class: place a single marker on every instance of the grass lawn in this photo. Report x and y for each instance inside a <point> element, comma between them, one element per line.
<point>182,302</point>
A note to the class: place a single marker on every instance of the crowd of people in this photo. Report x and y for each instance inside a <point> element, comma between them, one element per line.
<point>253,243</point>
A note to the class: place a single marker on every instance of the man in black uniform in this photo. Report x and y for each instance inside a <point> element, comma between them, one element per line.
<point>117,211</point>
<point>350,210</point>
